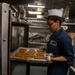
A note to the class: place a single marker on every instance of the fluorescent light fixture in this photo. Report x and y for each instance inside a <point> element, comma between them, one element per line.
<point>38,21</point>
<point>39,16</point>
<point>34,12</point>
<point>36,6</point>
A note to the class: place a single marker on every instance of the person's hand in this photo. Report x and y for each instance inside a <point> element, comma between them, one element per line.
<point>51,54</point>
<point>48,56</point>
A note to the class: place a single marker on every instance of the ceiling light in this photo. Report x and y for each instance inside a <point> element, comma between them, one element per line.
<point>34,12</point>
<point>39,16</point>
<point>36,6</point>
<point>37,21</point>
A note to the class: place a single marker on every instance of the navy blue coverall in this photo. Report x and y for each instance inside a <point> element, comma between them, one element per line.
<point>60,44</point>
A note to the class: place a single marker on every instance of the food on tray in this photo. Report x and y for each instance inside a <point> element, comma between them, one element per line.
<point>40,53</point>
<point>29,54</point>
<point>39,57</point>
<point>40,50</point>
<point>18,54</point>
<point>29,58</point>
<point>22,50</point>
<point>22,54</point>
<point>31,51</point>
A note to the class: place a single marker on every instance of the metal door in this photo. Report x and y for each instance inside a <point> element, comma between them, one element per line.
<point>4,22</point>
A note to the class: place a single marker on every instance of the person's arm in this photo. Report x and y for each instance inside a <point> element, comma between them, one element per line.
<point>60,59</point>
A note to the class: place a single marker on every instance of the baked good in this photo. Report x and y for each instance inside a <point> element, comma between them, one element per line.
<point>18,54</point>
<point>22,50</point>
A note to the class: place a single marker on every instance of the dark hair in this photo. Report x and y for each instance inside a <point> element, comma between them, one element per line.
<point>54,18</point>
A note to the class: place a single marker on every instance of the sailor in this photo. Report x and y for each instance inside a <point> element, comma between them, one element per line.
<point>59,44</point>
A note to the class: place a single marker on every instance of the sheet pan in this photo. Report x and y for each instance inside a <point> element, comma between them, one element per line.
<point>13,57</point>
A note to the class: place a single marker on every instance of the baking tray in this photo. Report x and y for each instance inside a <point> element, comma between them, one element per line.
<point>13,57</point>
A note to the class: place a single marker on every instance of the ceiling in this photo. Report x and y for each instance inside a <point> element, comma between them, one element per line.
<point>21,6</point>
<point>16,2</point>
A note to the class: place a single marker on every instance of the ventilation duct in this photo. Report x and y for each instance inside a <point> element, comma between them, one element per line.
<point>16,2</point>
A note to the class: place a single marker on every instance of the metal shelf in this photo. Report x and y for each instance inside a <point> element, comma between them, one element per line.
<point>64,23</point>
<point>37,43</point>
<point>37,27</point>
